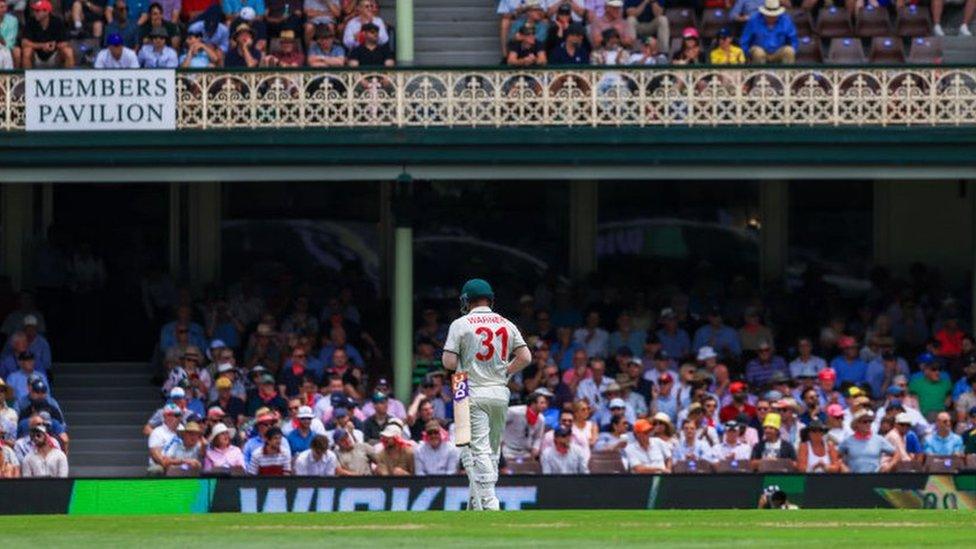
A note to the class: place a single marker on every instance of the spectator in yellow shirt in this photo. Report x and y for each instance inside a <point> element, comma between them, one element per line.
<point>726,53</point>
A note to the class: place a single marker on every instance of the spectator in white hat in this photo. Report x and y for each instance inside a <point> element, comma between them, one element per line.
<point>302,428</point>
<point>318,460</point>
<point>612,19</point>
<point>15,319</point>
<point>396,456</point>
<point>162,435</point>
<point>904,439</point>
<point>35,343</point>
<point>564,457</point>
<point>862,451</point>
<point>184,451</point>
<point>9,463</point>
<point>222,456</point>
<point>733,446</point>
<point>47,460</point>
<point>433,456</point>
<point>617,438</point>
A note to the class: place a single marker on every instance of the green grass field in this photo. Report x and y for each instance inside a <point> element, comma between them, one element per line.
<point>823,529</point>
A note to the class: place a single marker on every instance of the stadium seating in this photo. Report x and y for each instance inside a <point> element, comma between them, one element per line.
<point>970,464</point>
<point>834,22</point>
<point>913,21</point>
<point>872,21</point>
<point>732,466</point>
<point>802,21</point>
<point>692,466</point>
<point>845,51</point>
<point>714,20</point>
<point>606,462</point>
<point>944,464</point>
<point>524,467</point>
<point>886,49</point>
<point>776,466</point>
<point>925,49</point>
<point>909,467</point>
<point>680,18</point>
<point>810,51</point>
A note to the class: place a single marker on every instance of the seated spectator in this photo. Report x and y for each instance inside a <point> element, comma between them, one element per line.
<point>881,372</point>
<point>525,50</point>
<point>264,421</point>
<point>612,18</point>
<point>931,386</point>
<point>770,36</point>
<point>288,55</point>
<point>292,375</point>
<point>222,456</point>
<point>124,23</point>
<point>753,332</point>
<point>849,366</point>
<point>375,423</point>
<point>904,440</point>
<point>646,18</point>
<point>790,425</point>
<point>617,438</point>
<point>772,446</point>
<point>732,447</point>
<point>534,14</point>
<point>564,457</point>
<point>184,451</point>
<point>354,34</point>
<point>45,43</point>
<point>817,454</point>
<point>232,406</point>
<point>571,51</point>
<point>594,339</point>
<point>743,10</point>
<point>965,402</point>
<point>324,51</point>
<point>29,339</point>
<point>39,401</point>
<point>212,30</point>
<point>343,422</point>
<point>321,14</point>
<point>25,301</point>
<point>371,53</point>
<point>727,53</point>
<point>690,445</point>
<point>157,54</point>
<point>395,407</point>
<point>739,405</point>
<point>273,458</point>
<point>555,35</point>
<point>433,456</point>
<point>160,437</point>
<point>318,460</point>
<point>260,31</point>
<point>646,454</point>
<point>9,463</point>
<point>806,364</point>
<point>509,10</point>
<point>6,412</point>
<point>761,370</point>
<point>338,340</point>
<point>524,429</point>
<point>943,442</point>
<point>266,395</point>
<point>243,54</point>
<point>863,450</point>
<point>157,20</point>
<point>715,334</point>
<point>20,381</point>
<point>300,436</point>
<point>282,15</point>
<point>46,460</point>
<point>968,11</point>
<point>355,458</point>
<point>90,13</point>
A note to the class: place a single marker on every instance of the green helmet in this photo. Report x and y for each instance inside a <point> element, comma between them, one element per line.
<point>474,289</point>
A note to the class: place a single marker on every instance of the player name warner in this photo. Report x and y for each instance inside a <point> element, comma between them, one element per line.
<point>484,319</point>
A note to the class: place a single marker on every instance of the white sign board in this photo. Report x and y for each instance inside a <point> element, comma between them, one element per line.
<point>99,100</point>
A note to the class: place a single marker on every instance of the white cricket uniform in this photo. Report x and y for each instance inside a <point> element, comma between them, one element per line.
<point>484,341</point>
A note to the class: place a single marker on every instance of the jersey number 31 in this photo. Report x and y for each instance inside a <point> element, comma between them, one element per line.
<point>488,343</point>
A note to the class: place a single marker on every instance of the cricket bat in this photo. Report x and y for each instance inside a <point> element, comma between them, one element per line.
<point>462,409</point>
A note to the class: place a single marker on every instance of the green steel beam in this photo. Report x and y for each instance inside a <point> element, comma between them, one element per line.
<point>402,288</point>
<point>404,32</point>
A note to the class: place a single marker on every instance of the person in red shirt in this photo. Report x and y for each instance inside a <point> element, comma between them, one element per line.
<point>949,338</point>
<point>739,405</point>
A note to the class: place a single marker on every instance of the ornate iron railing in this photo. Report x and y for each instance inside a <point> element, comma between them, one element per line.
<point>751,96</point>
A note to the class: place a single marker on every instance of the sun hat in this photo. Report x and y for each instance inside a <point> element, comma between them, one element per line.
<point>772,8</point>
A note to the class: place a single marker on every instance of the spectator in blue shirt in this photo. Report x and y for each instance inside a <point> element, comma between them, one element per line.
<point>743,10</point>
<point>881,372</point>
<point>337,340</point>
<point>718,336</point>
<point>761,369</point>
<point>770,36</point>
<point>564,348</point>
<point>943,442</point>
<point>849,366</point>
<point>673,338</point>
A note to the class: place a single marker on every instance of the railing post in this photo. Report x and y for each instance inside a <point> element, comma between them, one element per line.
<point>400,107</point>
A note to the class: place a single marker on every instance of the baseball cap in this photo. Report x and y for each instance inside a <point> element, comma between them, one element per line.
<point>247,13</point>
<point>267,378</point>
<point>564,9</point>
<point>29,320</point>
<point>177,392</point>
<point>562,431</point>
<point>706,353</point>
<point>216,412</point>
<point>617,403</point>
<point>854,391</point>
<point>731,424</point>
<point>772,421</point>
<point>927,359</point>
<point>340,412</point>
<point>904,419</point>
<point>172,410</point>
<point>635,360</point>
<point>38,386</point>
<point>773,396</point>
<point>391,431</point>
<point>39,428</point>
<point>642,426</point>
<point>665,378</point>
<point>827,374</point>
<point>370,27</point>
<point>846,342</point>
<point>382,382</point>
<point>432,427</point>
<point>225,367</point>
<point>224,383</point>
<point>662,355</point>
<point>45,416</point>
<point>114,39</point>
<point>380,397</point>
<point>195,29</point>
<point>896,390</point>
<point>305,412</point>
<point>737,387</point>
<point>724,32</point>
<point>835,410</point>
<point>542,391</point>
<point>689,32</point>
<point>863,413</point>
<point>339,435</point>
<point>41,5</point>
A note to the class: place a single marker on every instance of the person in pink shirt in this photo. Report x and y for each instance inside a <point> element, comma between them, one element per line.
<point>222,456</point>
<point>579,371</point>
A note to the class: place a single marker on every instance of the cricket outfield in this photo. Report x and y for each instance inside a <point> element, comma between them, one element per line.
<point>804,528</point>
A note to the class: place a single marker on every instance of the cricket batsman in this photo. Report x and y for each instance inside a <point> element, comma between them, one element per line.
<point>478,348</point>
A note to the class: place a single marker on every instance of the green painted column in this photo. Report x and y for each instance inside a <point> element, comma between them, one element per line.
<point>774,209</point>
<point>17,217</point>
<point>402,297</point>
<point>404,32</point>
<point>584,212</point>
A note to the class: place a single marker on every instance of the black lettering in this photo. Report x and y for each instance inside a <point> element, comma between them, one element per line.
<point>77,112</point>
<point>143,87</point>
<point>60,116</point>
<point>108,87</point>
<point>65,88</point>
<point>45,111</point>
<point>155,112</point>
<point>86,88</point>
<point>44,91</point>
<point>160,87</point>
<point>125,87</point>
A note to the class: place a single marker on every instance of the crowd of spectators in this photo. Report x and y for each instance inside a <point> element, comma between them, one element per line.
<point>34,438</point>
<point>718,32</point>
<point>709,381</point>
<point>128,34</point>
